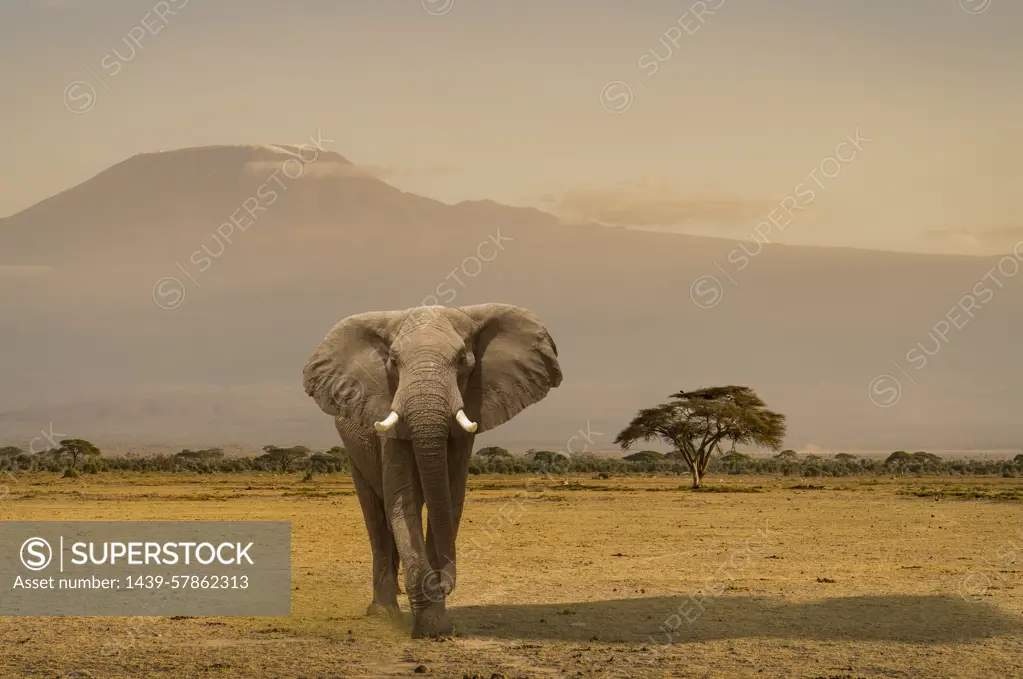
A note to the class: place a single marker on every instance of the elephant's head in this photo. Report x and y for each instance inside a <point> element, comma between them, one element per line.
<point>425,373</point>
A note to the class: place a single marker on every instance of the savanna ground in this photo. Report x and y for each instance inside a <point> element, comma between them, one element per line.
<point>835,578</point>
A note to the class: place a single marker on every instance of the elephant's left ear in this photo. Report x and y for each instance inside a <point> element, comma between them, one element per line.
<point>516,363</point>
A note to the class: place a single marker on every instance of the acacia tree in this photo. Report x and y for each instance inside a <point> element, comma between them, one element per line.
<point>77,448</point>
<point>551,461</point>
<point>490,453</point>
<point>283,458</point>
<point>695,423</point>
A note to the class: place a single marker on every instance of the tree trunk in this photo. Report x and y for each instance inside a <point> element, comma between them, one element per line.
<point>700,468</point>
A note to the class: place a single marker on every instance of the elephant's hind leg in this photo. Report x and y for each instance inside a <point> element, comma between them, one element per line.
<point>385,553</point>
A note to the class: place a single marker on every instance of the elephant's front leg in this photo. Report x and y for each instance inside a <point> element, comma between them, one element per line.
<point>422,583</point>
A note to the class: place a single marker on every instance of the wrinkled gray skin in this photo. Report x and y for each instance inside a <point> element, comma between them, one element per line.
<point>425,363</point>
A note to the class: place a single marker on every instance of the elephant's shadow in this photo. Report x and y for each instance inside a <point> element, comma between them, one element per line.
<point>660,620</point>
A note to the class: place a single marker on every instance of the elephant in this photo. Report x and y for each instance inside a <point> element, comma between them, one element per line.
<point>409,390</point>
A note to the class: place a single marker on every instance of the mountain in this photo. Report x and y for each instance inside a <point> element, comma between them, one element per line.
<point>174,298</point>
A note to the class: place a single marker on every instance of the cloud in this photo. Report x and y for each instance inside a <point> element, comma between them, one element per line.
<point>959,241</point>
<point>967,241</point>
<point>319,168</point>
<point>1002,234</point>
<point>395,172</point>
<point>656,203</point>
<point>331,168</point>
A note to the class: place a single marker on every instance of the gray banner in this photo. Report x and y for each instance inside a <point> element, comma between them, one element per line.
<point>200,568</point>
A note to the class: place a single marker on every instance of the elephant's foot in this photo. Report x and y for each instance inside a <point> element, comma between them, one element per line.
<point>383,610</point>
<point>432,621</point>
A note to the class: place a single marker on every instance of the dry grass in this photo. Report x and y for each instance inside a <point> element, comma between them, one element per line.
<point>856,578</point>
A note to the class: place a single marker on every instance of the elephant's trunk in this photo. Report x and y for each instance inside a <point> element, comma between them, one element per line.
<point>428,417</point>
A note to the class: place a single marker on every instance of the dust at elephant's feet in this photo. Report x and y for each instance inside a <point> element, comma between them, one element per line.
<point>431,622</point>
<point>383,610</point>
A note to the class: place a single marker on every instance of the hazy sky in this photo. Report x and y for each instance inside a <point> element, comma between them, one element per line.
<point>557,104</point>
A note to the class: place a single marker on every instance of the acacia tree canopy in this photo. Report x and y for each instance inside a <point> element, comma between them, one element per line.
<point>283,457</point>
<point>492,452</point>
<point>695,423</point>
<point>77,448</point>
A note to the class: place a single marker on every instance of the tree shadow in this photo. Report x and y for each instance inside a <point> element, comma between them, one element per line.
<point>660,620</point>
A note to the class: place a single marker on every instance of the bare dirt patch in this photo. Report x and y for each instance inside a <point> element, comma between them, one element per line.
<point>589,579</point>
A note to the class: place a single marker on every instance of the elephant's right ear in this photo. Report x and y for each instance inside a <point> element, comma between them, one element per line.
<point>347,374</point>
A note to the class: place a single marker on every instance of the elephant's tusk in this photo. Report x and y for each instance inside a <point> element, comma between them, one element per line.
<point>388,423</point>
<point>466,423</point>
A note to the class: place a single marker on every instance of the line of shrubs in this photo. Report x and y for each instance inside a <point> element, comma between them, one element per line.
<point>496,460</point>
<point>78,456</point>
<point>206,461</point>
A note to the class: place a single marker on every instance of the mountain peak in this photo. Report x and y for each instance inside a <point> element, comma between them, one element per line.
<point>244,153</point>
<point>262,259</point>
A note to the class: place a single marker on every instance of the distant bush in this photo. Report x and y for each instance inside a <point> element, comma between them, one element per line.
<point>327,463</point>
<point>334,461</point>
<point>492,452</point>
<point>283,459</point>
<point>645,456</point>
